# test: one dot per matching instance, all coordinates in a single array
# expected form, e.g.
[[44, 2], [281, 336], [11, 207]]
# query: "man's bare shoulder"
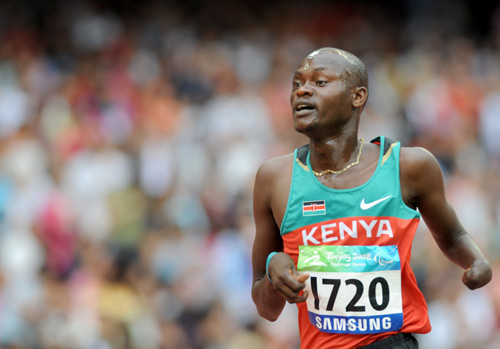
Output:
[[420, 174], [417, 160], [276, 167], [272, 180]]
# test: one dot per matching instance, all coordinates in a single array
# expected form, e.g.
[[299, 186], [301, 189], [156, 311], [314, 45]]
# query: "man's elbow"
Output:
[[266, 314], [267, 310]]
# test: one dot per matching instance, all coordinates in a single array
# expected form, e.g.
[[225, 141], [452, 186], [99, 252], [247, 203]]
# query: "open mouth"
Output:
[[302, 107]]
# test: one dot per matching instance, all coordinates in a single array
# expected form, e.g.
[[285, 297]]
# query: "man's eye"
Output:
[[297, 84], [321, 82]]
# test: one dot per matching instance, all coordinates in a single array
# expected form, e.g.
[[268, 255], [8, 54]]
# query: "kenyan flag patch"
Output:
[[313, 208]]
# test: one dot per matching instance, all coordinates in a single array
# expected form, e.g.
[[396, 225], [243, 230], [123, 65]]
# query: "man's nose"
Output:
[[304, 90]]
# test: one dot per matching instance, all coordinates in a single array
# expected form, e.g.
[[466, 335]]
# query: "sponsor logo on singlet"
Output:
[[367, 205]]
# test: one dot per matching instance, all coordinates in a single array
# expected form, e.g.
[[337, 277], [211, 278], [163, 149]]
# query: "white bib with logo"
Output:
[[353, 289]]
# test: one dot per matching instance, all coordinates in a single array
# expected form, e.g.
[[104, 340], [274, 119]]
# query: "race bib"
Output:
[[353, 289]]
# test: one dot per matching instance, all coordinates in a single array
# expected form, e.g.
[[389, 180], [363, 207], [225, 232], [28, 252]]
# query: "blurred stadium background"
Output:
[[130, 133]]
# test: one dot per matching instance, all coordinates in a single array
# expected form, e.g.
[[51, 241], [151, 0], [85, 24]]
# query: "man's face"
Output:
[[320, 97]]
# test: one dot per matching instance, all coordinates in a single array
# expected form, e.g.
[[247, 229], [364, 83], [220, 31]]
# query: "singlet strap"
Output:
[[387, 144], [302, 154]]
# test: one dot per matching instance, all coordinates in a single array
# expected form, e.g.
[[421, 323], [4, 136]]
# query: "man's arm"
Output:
[[270, 297], [422, 183]]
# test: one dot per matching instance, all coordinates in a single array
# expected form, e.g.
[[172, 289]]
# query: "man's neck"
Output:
[[334, 153]]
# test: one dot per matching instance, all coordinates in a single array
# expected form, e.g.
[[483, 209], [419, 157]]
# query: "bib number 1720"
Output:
[[378, 293]]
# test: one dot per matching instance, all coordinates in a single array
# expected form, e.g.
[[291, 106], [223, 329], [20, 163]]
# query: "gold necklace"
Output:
[[319, 174]]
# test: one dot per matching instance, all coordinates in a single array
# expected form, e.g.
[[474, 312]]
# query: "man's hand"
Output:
[[286, 279], [478, 275]]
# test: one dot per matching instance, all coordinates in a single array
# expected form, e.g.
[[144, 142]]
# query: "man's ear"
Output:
[[359, 96]]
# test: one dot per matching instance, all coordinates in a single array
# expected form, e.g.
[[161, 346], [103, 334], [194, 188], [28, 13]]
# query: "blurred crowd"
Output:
[[130, 134]]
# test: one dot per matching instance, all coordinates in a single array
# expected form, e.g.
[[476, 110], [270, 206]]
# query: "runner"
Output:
[[336, 218]]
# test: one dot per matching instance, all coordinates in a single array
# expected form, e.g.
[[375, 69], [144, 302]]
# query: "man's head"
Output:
[[355, 70], [330, 89]]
